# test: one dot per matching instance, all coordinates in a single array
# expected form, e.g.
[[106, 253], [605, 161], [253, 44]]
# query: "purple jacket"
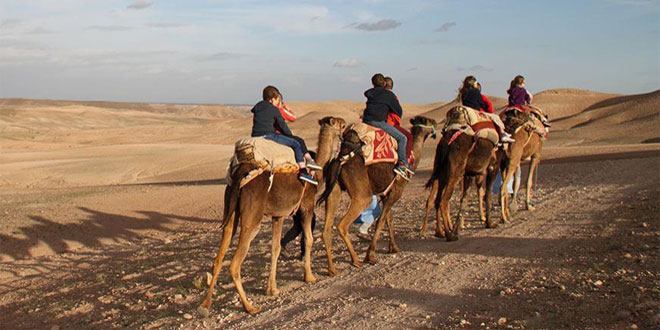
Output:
[[518, 96]]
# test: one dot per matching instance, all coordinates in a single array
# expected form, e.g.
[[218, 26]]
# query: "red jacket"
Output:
[[488, 102], [287, 114]]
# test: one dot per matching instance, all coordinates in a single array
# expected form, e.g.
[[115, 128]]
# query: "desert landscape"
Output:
[[111, 218]]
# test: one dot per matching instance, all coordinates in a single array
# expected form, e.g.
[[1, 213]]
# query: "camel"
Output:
[[527, 130], [362, 182], [459, 156], [247, 206]]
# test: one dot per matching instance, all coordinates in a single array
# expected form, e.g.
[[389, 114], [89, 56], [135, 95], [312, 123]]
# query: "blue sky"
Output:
[[224, 51]]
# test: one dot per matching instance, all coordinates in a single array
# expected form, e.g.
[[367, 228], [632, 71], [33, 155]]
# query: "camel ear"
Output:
[[320, 122]]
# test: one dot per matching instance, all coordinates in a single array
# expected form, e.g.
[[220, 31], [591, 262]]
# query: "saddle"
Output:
[[529, 118], [471, 122], [380, 147], [264, 154]]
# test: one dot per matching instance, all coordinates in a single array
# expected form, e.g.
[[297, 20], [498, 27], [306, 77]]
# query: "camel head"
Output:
[[423, 126], [333, 123]]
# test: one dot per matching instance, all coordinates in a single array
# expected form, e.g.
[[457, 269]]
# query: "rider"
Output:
[[267, 118], [381, 102], [521, 99], [290, 116], [470, 96]]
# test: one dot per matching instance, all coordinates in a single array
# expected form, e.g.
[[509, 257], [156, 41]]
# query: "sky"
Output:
[[227, 51]]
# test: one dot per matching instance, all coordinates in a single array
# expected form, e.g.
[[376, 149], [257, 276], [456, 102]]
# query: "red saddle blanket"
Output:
[[379, 146]]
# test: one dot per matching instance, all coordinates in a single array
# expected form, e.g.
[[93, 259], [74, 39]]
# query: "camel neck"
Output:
[[417, 147], [324, 150]]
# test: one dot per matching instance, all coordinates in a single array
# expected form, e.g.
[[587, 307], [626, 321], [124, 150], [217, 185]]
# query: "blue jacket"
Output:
[[266, 119]]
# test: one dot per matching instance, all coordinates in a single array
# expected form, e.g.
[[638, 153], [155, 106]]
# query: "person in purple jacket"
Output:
[[520, 98]]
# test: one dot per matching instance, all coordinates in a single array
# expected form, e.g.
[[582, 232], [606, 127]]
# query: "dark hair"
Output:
[[271, 92], [378, 80], [517, 81], [389, 83], [468, 83]]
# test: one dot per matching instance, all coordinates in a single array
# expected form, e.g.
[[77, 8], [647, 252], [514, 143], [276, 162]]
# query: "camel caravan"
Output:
[[273, 174]]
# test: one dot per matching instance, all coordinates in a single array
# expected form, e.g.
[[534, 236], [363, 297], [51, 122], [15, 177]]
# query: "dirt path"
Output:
[[587, 258]]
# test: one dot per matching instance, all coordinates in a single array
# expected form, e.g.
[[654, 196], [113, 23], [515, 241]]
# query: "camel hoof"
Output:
[[332, 271], [371, 260], [357, 264], [439, 234], [394, 249], [452, 238], [491, 224], [274, 292], [531, 207], [311, 279], [203, 311], [252, 310]]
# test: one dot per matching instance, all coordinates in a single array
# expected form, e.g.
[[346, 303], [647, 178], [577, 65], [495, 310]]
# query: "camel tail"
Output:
[[232, 194], [331, 174], [441, 156]]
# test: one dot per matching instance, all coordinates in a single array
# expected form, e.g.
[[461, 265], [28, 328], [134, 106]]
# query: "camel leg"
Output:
[[467, 181], [481, 193], [393, 248], [331, 205], [358, 204], [443, 211], [487, 191], [430, 202], [308, 217], [275, 253], [530, 179], [509, 171], [251, 214], [227, 234], [371, 255]]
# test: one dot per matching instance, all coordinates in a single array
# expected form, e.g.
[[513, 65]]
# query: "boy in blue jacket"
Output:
[[267, 121]]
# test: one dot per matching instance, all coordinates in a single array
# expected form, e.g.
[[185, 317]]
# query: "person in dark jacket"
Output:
[[470, 96], [381, 102], [267, 121]]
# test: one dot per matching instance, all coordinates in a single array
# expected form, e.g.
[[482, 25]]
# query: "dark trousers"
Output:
[[295, 231]]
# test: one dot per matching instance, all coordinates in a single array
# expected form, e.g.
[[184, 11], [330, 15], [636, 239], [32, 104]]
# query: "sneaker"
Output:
[[409, 171], [307, 178], [401, 171], [313, 166], [506, 138]]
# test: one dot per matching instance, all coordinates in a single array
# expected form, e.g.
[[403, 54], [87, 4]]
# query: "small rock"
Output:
[[645, 225], [627, 256], [562, 287], [187, 316], [55, 327], [501, 321], [427, 317], [149, 295], [465, 322], [633, 326], [403, 305], [598, 283]]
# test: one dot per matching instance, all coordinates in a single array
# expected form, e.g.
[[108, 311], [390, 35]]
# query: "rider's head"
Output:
[[272, 94], [378, 80], [518, 81], [389, 83]]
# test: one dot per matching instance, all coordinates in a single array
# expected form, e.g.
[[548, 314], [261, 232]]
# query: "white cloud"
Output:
[[347, 63]]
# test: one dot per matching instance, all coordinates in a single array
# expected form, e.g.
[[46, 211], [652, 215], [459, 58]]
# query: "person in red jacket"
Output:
[[489, 104], [290, 116]]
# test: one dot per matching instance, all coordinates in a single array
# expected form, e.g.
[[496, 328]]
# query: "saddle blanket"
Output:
[[472, 122], [380, 147]]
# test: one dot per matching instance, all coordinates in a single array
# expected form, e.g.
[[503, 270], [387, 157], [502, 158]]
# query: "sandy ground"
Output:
[[109, 218]]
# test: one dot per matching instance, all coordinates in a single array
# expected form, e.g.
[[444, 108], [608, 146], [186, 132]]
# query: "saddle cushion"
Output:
[[380, 147], [267, 155], [472, 122]]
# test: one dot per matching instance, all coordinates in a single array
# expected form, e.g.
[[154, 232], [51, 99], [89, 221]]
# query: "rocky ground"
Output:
[[586, 258]]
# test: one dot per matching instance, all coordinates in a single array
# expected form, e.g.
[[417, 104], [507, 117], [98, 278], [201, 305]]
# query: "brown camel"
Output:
[[458, 156], [527, 130], [362, 182], [247, 206]]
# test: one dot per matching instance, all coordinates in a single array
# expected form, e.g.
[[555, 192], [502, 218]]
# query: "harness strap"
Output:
[[454, 137], [389, 188], [302, 194]]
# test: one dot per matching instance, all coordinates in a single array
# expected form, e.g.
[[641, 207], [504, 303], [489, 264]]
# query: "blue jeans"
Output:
[[289, 142], [370, 214], [400, 138], [509, 186]]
